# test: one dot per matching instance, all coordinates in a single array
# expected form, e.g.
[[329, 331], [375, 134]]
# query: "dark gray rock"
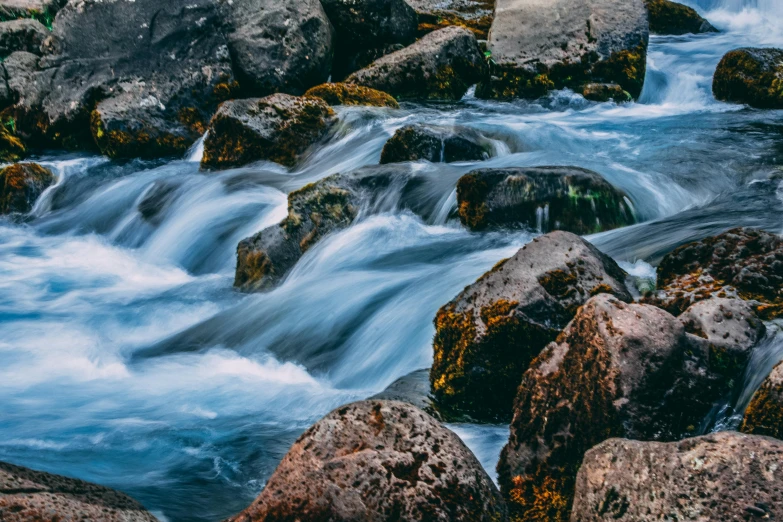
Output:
[[378, 461], [721, 476], [668, 17], [751, 76], [414, 389], [22, 35], [43, 11], [435, 144]]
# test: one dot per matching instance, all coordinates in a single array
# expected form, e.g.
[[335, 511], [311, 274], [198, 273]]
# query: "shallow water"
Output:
[[127, 359]]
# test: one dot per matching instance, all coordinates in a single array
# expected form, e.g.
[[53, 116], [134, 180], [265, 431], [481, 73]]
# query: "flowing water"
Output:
[[127, 359]]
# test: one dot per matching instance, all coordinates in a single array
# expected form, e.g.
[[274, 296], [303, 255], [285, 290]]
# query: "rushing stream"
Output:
[[127, 359]]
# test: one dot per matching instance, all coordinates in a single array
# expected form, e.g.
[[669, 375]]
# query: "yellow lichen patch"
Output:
[[350, 94], [764, 415], [542, 502], [471, 193], [252, 267]]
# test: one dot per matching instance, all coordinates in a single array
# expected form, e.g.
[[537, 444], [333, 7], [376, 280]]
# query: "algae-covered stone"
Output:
[[764, 415], [475, 15], [277, 128], [486, 337], [720, 476], [604, 92], [750, 75], [742, 263], [550, 198], [20, 186], [436, 144], [668, 17], [22, 35], [536, 46], [441, 65], [350, 94], [11, 147], [381, 461]]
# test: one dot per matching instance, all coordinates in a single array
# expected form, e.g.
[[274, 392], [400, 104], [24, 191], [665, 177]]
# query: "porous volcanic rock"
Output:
[[668, 17], [378, 461], [21, 184], [475, 15], [436, 144], [764, 415], [750, 75], [350, 94], [486, 337], [22, 35]]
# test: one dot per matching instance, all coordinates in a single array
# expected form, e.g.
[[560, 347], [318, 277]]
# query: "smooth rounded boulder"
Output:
[[27, 495], [436, 144], [21, 184], [378, 461], [277, 128], [752, 76], [764, 414], [547, 198], [537, 46], [720, 476], [349, 94], [486, 337], [667, 17], [440, 66]]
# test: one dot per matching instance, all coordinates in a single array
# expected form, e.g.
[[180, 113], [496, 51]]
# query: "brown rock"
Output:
[[764, 415], [20, 186], [349, 94], [750, 75]]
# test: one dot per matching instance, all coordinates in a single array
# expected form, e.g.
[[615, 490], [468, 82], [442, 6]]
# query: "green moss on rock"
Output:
[[20, 186], [349, 94], [752, 76], [764, 415]]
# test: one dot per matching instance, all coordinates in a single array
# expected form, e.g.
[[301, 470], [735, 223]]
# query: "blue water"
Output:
[[127, 359]]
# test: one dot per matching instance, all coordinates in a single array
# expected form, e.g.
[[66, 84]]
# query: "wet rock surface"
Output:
[[604, 92], [721, 476], [486, 336], [277, 128], [475, 15], [764, 415], [414, 389], [752, 76], [668, 17], [441, 65], [435, 144], [21, 184], [349, 94], [538, 46], [550, 198], [22, 35], [378, 461], [27, 495]]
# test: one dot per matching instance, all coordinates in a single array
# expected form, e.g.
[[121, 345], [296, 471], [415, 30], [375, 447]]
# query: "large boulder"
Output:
[[279, 45], [549, 198], [486, 337], [721, 476], [536, 46], [437, 144], [277, 128], [752, 76], [350, 94], [27, 495], [668, 17], [764, 415], [441, 65], [475, 15], [617, 370], [378, 461], [742, 262], [21, 184], [22, 35]]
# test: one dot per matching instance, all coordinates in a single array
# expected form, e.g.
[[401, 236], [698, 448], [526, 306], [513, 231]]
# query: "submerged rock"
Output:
[[475, 15], [349, 94], [721, 476], [27, 495], [435, 144], [742, 263], [764, 415], [21, 184], [22, 35], [752, 76], [538, 46], [550, 198], [441, 65], [379, 461], [486, 337], [668, 17], [277, 128], [604, 92]]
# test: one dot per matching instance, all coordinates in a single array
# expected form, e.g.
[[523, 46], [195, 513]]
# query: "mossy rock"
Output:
[[435, 144], [752, 76], [764, 415], [551, 198], [21, 184], [604, 92], [11, 146], [668, 17], [349, 94]]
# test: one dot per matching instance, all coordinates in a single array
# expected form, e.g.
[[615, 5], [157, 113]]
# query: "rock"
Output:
[[43, 11], [668, 17], [27, 495], [475, 15], [721, 476], [19, 70], [435, 144], [604, 92], [752, 76], [378, 461], [349, 94], [486, 337], [548, 198], [441, 65], [157, 199], [537, 46], [279, 45], [11, 147], [22, 35], [764, 415], [20, 186], [742, 263], [414, 389], [617, 370], [368, 25], [277, 128]]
